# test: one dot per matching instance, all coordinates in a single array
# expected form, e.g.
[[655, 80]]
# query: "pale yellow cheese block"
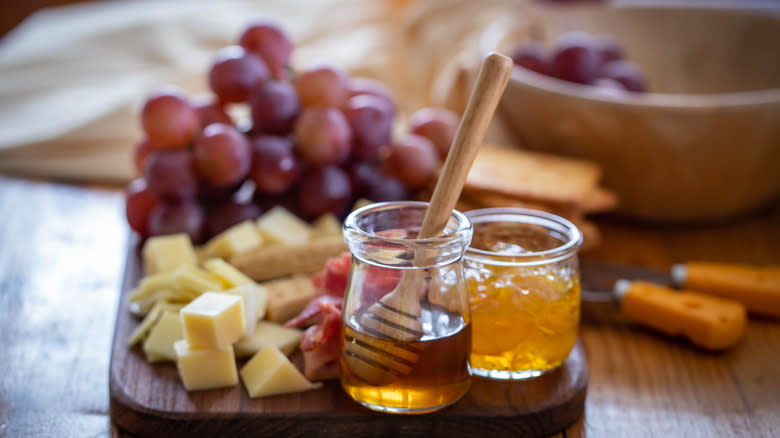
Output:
[[194, 281], [205, 369], [159, 345], [247, 293], [268, 333], [269, 372], [326, 225], [213, 320], [280, 227], [240, 237], [151, 319], [163, 253], [226, 272]]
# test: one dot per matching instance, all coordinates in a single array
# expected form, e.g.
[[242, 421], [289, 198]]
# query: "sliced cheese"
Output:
[[159, 345], [205, 369], [269, 372], [195, 281], [248, 293], [238, 238], [268, 333], [213, 320], [280, 227], [226, 272], [151, 319], [164, 253]]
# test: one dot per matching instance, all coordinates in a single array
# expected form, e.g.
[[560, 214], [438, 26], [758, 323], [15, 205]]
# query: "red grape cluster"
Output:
[[584, 59], [317, 142]]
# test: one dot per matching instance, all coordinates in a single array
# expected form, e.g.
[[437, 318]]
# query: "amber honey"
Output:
[[522, 277], [421, 376]]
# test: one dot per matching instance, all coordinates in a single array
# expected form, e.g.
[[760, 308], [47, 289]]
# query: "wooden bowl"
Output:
[[704, 144]]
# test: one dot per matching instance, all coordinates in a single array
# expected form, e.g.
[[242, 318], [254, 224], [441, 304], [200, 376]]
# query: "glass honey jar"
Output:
[[406, 321]]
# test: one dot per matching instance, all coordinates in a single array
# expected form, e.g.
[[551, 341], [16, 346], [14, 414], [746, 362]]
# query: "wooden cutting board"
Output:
[[148, 400]]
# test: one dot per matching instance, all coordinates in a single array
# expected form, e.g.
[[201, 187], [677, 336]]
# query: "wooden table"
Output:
[[62, 250]]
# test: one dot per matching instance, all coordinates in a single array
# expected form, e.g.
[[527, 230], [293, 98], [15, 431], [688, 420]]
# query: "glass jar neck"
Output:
[[384, 234]]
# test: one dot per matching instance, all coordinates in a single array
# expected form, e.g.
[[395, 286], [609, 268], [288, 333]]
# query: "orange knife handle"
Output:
[[757, 287], [710, 322]]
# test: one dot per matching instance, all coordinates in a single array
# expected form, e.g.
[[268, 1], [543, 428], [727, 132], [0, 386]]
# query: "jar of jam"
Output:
[[522, 276]]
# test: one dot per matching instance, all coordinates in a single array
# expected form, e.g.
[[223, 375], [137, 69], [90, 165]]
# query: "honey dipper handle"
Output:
[[492, 79]]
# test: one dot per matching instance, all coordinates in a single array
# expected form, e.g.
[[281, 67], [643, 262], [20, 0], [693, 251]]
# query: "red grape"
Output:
[[324, 190], [626, 74], [141, 151], [274, 166], [229, 213], [212, 111], [384, 188], [609, 49], [371, 124], [438, 125], [177, 217], [268, 41], [169, 119], [209, 194], [222, 155], [322, 86], [288, 200], [576, 58], [534, 57], [322, 136], [371, 87], [235, 72], [139, 202], [412, 160], [170, 174], [274, 107], [361, 174]]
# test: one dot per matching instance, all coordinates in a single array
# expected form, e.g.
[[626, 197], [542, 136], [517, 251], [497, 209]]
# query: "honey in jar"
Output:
[[522, 276], [406, 320]]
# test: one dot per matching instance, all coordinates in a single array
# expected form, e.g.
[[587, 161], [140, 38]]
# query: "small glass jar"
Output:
[[405, 322], [522, 274]]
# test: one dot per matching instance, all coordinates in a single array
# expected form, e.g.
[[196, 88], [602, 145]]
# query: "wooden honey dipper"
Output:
[[396, 316]]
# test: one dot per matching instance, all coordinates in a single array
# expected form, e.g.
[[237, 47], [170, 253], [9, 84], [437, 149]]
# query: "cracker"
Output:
[[264, 263], [532, 176]]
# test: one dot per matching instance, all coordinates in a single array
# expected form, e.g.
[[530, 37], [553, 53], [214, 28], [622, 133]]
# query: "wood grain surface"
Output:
[[149, 400], [62, 255]]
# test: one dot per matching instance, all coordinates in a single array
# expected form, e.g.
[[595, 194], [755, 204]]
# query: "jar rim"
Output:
[[351, 224], [529, 216]]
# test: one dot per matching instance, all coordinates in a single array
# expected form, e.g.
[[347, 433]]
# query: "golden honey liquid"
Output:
[[438, 378], [525, 318]]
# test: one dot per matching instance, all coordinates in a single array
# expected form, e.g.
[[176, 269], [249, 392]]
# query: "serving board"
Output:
[[148, 400]]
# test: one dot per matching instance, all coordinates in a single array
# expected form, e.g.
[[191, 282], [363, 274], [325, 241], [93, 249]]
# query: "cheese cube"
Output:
[[238, 238], [163, 253], [269, 372], [326, 225], [151, 319], [280, 227], [213, 320], [226, 272], [205, 369], [268, 333], [159, 345], [248, 293], [195, 281]]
